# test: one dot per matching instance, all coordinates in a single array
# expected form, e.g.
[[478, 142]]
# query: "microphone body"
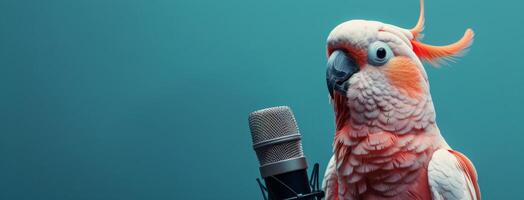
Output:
[[296, 180], [276, 141]]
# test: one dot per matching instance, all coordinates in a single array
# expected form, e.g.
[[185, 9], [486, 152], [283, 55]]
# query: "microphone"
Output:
[[283, 166]]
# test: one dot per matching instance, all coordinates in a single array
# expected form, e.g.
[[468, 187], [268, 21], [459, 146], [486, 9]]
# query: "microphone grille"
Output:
[[275, 135]]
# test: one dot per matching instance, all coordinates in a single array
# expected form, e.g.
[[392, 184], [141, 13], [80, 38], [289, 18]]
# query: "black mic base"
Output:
[[290, 186]]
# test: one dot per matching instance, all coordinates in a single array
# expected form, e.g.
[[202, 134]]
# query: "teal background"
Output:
[[127, 99]]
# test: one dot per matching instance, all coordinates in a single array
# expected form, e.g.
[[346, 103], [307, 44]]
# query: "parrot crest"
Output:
[[386, 132]]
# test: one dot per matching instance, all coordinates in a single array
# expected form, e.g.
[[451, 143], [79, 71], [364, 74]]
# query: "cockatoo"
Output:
[[387, 144]]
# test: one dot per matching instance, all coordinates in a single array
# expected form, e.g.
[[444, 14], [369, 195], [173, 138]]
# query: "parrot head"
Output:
[[373, 66]]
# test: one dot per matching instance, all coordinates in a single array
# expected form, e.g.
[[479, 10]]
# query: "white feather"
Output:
[[446, 178]]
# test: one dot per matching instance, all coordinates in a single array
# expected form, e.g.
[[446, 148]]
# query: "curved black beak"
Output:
[[340, 68]]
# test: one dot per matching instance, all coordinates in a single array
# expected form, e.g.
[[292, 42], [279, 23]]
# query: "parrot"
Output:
[[387, 144]]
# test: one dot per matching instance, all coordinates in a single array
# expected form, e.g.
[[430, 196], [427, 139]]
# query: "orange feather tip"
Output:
[[439, 54], [417, 30]]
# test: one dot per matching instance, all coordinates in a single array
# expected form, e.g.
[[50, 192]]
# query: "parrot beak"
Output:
[[340, 68]]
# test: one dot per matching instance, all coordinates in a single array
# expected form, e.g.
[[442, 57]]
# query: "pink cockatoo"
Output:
[[387, 144]]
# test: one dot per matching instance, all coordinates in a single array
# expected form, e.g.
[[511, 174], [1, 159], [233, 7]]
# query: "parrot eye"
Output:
[[379, 53]]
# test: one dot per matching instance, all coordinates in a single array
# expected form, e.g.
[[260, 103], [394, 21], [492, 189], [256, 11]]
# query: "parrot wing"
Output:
[[451, 175], [335, 187], [330, 183]]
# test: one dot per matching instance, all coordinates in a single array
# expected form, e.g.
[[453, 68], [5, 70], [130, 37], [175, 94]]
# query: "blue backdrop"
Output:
[[128, 99]]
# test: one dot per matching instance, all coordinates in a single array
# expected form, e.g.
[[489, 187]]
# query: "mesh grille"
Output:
[[271, 123], [279, 152]]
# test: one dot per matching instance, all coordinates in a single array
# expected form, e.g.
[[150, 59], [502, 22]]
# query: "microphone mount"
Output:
[[315, 194]]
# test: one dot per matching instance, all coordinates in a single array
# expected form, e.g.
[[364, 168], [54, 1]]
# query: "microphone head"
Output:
[[276, 141]]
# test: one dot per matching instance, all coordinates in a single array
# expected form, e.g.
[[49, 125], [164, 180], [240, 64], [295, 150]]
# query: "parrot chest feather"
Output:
[[384, 141], [385, 166]]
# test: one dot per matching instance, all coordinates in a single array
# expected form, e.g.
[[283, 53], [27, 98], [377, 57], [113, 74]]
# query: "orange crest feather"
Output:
[[434, 54]]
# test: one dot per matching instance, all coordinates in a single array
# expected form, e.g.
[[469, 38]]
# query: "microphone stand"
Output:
[[315, 194]]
